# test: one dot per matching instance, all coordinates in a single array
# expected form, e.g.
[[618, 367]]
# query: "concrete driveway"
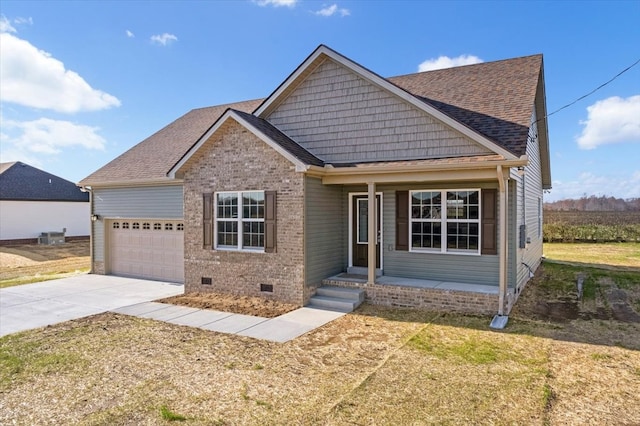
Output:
[[36, 305]]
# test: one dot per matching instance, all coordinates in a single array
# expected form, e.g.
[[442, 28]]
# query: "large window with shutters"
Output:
[[445, 221], [240, 220]]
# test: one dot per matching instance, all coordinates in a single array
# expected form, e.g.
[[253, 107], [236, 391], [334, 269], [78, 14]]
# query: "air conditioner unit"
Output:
[[51, 238]]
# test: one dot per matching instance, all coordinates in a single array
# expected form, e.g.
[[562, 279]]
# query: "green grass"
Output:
[[170, 415], [612, 254]]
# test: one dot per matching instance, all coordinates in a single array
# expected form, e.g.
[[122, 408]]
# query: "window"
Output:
[[146, 225], [240, 220], [168, 226], [135, 225], [125, 225], [180, 227], [116, 225], [445, 221], [157, 226]]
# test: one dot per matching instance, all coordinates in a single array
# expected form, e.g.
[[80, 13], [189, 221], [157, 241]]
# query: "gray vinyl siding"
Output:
[[341, 117], [532, 254], [471, 269], [153, 202], [325, 235]]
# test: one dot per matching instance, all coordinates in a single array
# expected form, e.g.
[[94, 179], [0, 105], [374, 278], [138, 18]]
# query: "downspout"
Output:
[[500, 320]]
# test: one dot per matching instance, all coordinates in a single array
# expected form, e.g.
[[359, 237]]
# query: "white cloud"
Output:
[[5, 25], [611, 120], [47, 136], [276, 3], [332, 10], [625, 186], [33, 78], [447, 62], [20, 20], [130, 34], [163, 39]]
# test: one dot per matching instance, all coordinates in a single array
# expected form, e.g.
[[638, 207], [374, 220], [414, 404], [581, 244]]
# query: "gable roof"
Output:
[[151, 159], [22, 182], [323, 52], [261, 129], [495, 99], [491, 103]]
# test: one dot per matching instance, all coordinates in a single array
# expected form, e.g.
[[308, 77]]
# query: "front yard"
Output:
[[375, 366]]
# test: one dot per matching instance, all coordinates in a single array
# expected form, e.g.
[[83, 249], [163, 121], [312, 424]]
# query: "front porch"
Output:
[[432, 295]]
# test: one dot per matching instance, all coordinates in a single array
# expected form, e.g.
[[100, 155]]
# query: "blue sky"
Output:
[[82, 82]]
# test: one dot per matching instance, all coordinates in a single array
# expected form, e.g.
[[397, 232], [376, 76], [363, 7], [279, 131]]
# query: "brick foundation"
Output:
[[424, 298]]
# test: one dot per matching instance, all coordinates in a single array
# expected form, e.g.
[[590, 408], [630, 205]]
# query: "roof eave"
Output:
[[177, 170]]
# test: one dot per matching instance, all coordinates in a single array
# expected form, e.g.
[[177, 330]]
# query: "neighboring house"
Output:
[[33, 201], [272, 197]]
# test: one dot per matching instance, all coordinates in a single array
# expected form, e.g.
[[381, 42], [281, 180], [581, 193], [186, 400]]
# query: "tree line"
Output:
[[595, 203]]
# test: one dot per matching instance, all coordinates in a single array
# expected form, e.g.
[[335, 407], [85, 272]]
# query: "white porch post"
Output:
[[503, 240], [372, 231]]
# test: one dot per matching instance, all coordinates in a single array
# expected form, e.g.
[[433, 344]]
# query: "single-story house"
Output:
[[423, 190], [33, 201]]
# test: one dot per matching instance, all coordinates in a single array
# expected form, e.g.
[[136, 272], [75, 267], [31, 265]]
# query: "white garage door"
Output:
[[152, 249]]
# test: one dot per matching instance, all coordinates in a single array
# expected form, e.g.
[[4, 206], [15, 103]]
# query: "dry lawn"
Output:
[[27, 263], [376, 366], [372, 367]]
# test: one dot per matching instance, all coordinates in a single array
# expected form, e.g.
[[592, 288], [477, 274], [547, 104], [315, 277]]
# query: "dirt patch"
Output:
[[33, 259], [237, 304], [554, 296]]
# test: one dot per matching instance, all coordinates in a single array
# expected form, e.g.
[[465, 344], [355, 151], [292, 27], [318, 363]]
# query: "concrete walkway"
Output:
[[280, 329], [37, 305]]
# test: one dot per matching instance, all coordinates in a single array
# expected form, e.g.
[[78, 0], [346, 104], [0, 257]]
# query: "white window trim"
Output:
[[239, 220], [443, 221]]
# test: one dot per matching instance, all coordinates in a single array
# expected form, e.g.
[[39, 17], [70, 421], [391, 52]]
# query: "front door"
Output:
[[360, 226]]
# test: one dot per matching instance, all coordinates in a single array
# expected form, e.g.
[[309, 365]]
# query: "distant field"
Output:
[[571, 226]]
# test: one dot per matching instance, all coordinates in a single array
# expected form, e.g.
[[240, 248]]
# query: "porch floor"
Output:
[[417, 283]]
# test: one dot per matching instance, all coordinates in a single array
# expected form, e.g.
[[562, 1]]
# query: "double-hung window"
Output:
[[240, 220], [445, 221]]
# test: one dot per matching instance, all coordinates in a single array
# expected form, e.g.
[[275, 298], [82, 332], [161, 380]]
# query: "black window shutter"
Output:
[[489, 221], [270, 221], [207, 220], [402, 220]]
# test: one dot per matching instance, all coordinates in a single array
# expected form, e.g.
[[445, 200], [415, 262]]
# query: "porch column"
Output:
[[502, 226], [373, 232]]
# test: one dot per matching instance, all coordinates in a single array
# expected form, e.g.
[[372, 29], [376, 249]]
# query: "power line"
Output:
[[594, 90]]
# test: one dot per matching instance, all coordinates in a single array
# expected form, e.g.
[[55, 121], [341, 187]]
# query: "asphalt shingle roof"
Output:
[[281, 139], [22, 182], [153, 157], [495, 99]]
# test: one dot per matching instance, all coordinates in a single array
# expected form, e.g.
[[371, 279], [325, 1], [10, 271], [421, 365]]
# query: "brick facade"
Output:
[[234, 159]]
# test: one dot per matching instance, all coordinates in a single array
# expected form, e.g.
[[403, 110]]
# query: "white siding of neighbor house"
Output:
[[325, 236], [341, 117], [462, 268], [27, 219], [152, 202], [527, 211]]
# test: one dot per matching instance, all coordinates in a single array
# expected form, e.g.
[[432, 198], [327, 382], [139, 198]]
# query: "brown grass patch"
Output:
[[228, 303], [31, 260]]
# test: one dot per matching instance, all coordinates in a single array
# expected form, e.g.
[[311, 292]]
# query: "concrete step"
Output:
[[341, 293], [332, 303]]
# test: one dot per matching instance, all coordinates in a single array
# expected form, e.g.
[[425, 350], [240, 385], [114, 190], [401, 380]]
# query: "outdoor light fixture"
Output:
[[95, 217], [521, 171]]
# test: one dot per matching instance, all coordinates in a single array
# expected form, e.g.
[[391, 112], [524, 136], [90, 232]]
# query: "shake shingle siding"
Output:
[[340, 117]]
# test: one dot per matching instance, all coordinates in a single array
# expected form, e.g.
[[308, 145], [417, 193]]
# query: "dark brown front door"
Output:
[[360, 226]]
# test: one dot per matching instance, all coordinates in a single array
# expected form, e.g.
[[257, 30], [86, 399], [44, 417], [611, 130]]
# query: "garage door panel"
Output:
[[150, 249]]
